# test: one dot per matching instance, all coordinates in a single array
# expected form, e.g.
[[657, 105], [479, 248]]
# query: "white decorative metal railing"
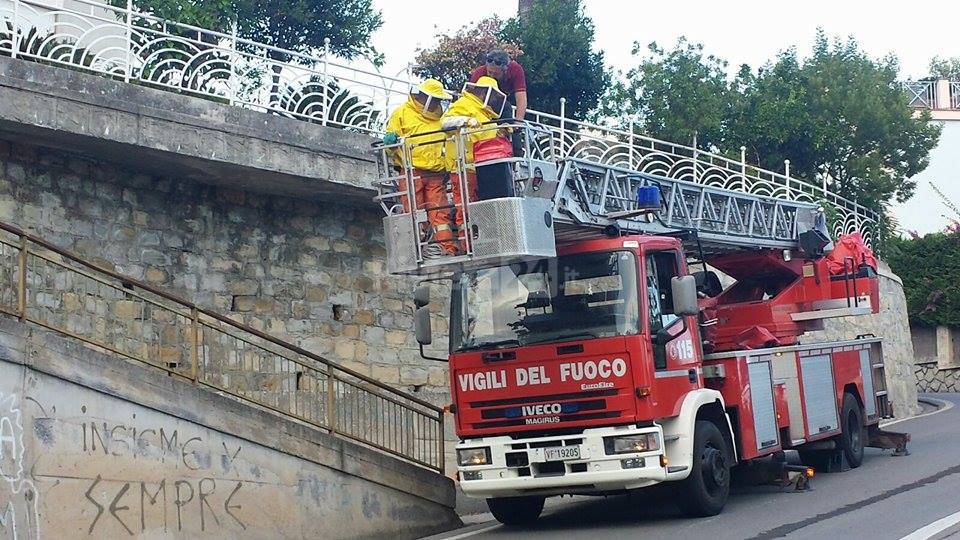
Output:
[[939, 94], [921, 94], [129, 45]]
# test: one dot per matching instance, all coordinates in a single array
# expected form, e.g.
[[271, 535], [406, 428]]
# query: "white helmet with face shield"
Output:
[[488, 92]]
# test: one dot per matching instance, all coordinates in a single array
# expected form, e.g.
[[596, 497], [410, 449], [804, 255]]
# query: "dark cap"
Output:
[[498, 57]]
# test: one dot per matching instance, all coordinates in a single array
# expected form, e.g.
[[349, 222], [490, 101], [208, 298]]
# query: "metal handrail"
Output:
[[337, 380], [316, 87]]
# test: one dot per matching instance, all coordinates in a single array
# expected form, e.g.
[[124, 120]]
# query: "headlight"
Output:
[[473, 456], [629, 444]]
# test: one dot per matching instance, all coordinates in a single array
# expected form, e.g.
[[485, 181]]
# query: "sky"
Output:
[[750, 32]]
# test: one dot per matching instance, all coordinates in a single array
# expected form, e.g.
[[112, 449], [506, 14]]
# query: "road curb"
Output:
[[946, 533], [940, 404]]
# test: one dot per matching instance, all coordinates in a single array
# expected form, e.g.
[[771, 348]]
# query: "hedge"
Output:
[[930, 269]]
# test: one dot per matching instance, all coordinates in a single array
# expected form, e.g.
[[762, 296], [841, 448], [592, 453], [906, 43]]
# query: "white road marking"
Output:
[[944, 406], [934, 528]]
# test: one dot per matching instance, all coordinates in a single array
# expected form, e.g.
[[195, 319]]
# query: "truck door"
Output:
[[674, 360]]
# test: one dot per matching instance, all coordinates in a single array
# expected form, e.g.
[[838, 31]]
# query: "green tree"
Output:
[[851, 124], [217, 15], [674, 94], [298, 25], [557, 39], [456, 54], [838, 114], [770, 116], [303, 25], [945, 68]]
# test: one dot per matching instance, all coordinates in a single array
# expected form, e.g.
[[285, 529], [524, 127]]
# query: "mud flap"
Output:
[[878, 438]]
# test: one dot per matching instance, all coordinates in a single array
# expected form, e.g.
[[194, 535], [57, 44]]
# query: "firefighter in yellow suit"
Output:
[[479, 103], [420, 115]]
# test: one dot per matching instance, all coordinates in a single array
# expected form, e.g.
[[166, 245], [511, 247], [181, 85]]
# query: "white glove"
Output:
[[454, 122]]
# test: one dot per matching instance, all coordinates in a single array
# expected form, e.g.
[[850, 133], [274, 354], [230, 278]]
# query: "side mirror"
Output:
[[421, 296], [424, 330], [684, 290], [662, 337]]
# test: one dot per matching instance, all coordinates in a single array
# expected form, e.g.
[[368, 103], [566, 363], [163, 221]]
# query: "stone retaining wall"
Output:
[[310, 272], [931, 378]]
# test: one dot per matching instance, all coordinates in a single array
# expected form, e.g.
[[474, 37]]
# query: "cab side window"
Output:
[[661, 267]]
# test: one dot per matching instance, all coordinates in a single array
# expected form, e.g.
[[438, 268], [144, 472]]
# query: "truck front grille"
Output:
[[543, 399], [562, 417]]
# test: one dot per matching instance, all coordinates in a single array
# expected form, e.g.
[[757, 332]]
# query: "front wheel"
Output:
[[513, 511], [705, 491]]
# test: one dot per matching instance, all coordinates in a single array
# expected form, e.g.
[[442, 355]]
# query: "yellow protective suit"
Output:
[[468, 105], [410, 120], [467, 111]]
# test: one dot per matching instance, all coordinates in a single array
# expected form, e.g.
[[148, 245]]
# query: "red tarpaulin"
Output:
[[852, 246]]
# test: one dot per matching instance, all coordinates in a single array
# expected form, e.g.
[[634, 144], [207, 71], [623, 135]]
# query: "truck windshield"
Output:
[[564, 298]]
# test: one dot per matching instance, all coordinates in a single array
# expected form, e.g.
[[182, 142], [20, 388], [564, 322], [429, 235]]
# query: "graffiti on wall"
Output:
[[19, 517], [172, 503]]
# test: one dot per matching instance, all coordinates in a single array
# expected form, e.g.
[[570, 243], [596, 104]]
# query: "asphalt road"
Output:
[[887, 497]]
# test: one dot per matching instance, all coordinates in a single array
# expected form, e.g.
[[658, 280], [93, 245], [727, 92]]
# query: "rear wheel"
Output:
[[516, 510], [854, 433], [705, 491]]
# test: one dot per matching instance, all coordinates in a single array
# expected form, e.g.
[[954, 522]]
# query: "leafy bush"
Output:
[[930, 269]]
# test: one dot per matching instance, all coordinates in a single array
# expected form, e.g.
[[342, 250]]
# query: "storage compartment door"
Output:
[[764, 409], [819, 400], [869, 393]]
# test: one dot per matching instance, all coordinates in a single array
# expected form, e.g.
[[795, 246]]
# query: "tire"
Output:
[[704, 493], [516, 511], [853, 432]]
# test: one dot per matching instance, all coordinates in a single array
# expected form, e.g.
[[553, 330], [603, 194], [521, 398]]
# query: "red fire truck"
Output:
[[593, 348]]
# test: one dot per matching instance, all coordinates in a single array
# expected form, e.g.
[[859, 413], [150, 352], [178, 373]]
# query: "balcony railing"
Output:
[[921, 94], [934, 95], [132, 46]]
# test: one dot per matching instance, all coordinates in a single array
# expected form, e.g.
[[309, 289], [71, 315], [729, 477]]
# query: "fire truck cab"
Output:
[[606, 390]]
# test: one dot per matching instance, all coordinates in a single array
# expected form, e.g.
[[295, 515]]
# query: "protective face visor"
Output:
[[489, 96], [432, 106]]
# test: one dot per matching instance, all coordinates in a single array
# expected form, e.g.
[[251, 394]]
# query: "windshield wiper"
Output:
[[566, 337], [492, 345]]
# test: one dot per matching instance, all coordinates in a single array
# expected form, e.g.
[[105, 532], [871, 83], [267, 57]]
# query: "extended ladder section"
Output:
[[550, 201], [599, 196]]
